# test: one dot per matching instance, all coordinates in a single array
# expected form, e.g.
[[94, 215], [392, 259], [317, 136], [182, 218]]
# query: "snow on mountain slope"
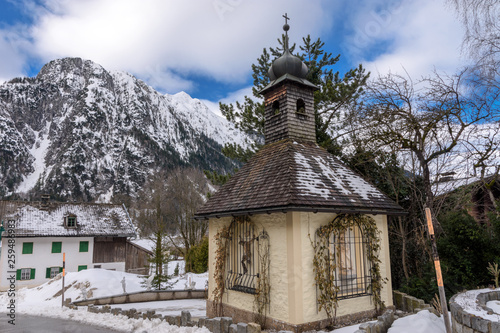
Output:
[[78, 132]]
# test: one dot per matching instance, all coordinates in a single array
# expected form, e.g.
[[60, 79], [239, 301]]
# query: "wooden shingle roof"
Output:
[[32, 219], [292, 176]]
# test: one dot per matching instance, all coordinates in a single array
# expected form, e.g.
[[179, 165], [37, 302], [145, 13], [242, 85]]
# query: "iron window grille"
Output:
[[243, 265], [348, 254]]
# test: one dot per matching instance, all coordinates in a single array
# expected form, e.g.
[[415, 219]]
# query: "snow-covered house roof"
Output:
[[35, 219], [291, 176]]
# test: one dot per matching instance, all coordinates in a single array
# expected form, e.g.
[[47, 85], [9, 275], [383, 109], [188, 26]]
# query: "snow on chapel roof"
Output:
[[292, 176], [33, 219]]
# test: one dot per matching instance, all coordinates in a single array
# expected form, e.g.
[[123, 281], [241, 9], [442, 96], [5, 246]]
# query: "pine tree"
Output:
[[335, 93]]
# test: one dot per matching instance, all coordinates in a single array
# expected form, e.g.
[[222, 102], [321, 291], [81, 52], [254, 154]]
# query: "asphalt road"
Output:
[[35, 324]]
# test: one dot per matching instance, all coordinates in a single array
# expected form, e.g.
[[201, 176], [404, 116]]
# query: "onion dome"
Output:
[[287, 63]]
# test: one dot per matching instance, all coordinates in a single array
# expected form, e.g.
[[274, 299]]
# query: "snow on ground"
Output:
[[467, 301], [197, 307], [421, 322], [494, 305], [45, 300]]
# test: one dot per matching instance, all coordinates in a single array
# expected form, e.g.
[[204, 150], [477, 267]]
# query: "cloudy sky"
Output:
[[206, 47]]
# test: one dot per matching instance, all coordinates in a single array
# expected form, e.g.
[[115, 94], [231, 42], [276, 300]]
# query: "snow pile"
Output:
[[421, 322], [95, 283], [467, 301], [494, 305], [45, 300]]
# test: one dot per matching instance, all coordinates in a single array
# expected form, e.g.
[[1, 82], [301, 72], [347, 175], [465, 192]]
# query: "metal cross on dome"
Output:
[[286, 18]]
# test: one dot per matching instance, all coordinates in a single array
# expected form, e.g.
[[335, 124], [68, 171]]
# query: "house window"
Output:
[[301, 106], [52, 272], [84, 246], [27, 248], [276, 107], [348, 252], [25, 274], [70, 221], [56, 247], [243, 258], [82, 267]]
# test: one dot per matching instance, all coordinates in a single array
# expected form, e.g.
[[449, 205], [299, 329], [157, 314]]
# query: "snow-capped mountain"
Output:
[[81, 132]]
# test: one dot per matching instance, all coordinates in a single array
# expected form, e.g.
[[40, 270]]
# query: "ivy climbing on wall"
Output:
[[325, 266], [262, 286]]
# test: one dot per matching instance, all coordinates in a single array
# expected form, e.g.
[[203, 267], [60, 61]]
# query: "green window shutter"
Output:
[[32, 274], [82, 267], [56, 247], [60, 269], [27, 248], [47, 273], [18, 274], [84, 246]]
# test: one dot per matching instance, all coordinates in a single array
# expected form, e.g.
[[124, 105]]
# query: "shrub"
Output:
[[465, 249], [197, 257]]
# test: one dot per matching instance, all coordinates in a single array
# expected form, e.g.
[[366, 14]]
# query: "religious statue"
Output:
[[124, 285], [190, 284], [149, 281], [247, 252]]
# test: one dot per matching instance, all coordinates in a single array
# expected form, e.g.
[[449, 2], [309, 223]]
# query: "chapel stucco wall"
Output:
[[274, 224], [293, 290], [310, 222]]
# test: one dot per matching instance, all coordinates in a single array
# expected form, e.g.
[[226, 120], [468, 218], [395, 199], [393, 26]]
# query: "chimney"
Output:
[[45, 200]]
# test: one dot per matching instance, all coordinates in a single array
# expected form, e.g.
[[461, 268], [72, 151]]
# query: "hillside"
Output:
[[81, 132]]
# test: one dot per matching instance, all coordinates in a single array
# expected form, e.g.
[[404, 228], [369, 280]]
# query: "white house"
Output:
[[91, 235]]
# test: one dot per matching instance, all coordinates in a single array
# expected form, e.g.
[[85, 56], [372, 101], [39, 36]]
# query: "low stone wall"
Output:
[[382, 324], [403, 303], [145, 296], [410, 304], [464, 322], [214, 325]]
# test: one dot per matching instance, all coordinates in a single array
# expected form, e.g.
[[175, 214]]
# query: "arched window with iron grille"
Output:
[[243, 264], [348, 252]]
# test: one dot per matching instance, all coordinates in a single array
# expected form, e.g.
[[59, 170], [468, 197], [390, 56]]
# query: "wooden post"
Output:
[[64, 273], [437, 265]]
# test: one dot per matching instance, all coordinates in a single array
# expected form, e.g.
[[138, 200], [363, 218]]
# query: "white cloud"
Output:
[[170, 43], [232, 97], [13, 59], [416, 37], [219, 39]]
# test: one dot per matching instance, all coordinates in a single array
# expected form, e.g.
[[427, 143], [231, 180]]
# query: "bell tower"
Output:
[[288, 99]]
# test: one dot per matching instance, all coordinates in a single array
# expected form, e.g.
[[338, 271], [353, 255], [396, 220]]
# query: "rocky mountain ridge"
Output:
[[80, 132]]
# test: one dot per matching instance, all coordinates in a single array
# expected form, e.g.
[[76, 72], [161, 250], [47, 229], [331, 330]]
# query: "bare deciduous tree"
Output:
[[426, 119], [481, 20], [485, 152], [186, 190], [152, 219]]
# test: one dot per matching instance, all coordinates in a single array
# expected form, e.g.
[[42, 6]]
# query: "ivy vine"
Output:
[[325, 265], [262, 287], [221, 252]]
